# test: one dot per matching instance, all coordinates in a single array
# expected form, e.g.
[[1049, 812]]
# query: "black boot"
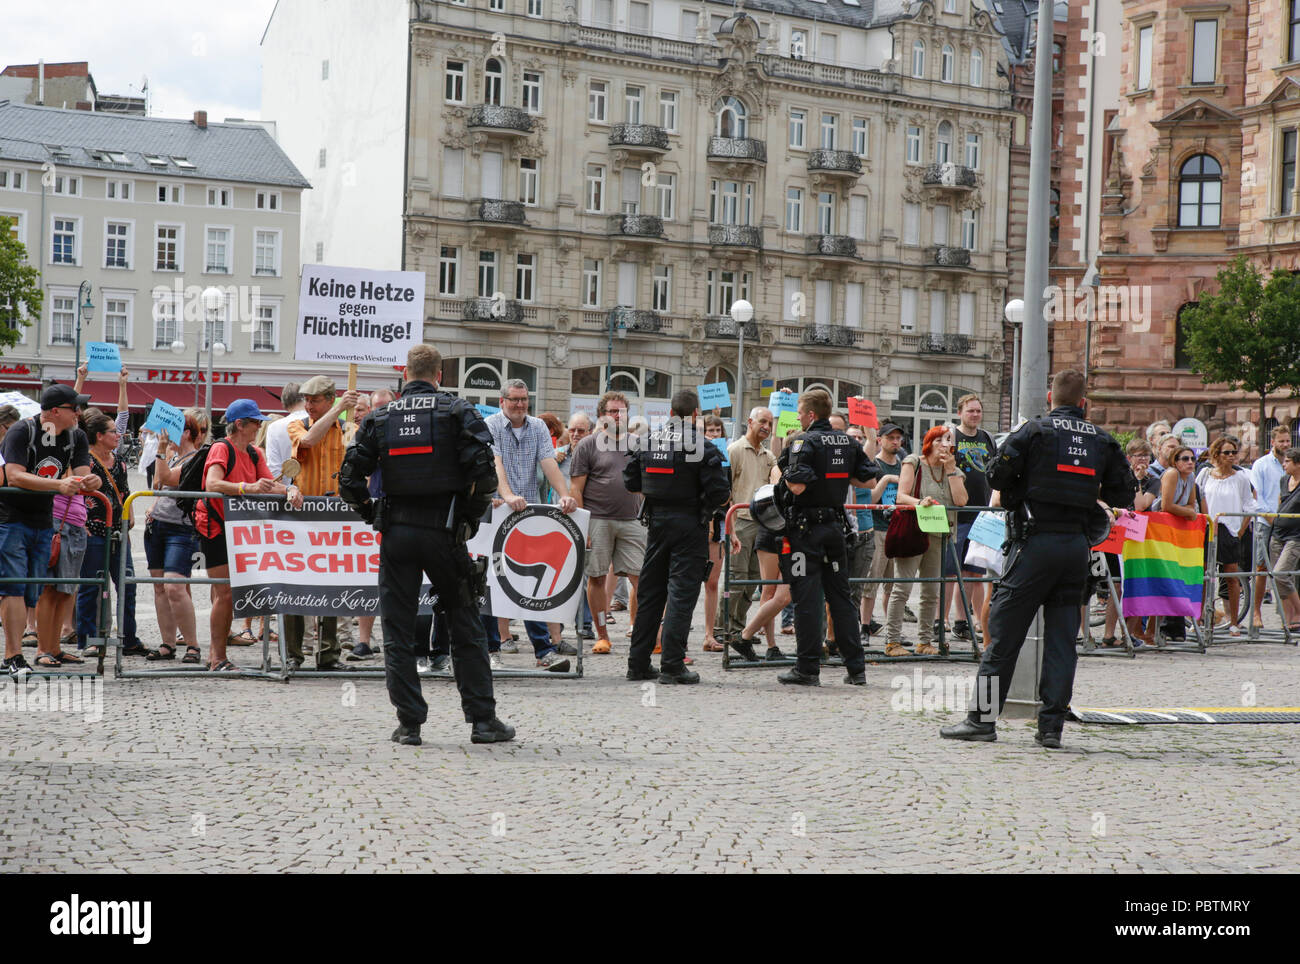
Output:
[[491, 731], [639, 674], [407, 735], [683, 675], [971, 731], [793, 677], [1049, 741]]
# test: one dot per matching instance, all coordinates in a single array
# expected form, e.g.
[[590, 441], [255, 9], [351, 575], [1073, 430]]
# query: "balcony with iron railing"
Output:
[[735, 235], [833, 246], [494, 211], [726, 327], [933, 344], [829, 336], [840, 164], [496, 119], [949, 175], [639, 138], [635, 320], [745, 150], [633, 227], [491, 311], [949, 258]]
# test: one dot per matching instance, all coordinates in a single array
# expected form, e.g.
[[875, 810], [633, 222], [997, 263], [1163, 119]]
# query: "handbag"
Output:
[[56, 541], [904, 537]]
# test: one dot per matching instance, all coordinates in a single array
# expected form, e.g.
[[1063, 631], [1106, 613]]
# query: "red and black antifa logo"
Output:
[[539, 555]]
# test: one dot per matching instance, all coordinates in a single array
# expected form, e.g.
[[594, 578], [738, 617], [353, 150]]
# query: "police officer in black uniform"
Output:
[[817, 468], [1050, 472], [680, 474], [436, 456]]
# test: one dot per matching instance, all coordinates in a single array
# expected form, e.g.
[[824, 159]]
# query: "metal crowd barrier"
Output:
[[1255, 633], [945, 653], [104, 594], [283, 672]]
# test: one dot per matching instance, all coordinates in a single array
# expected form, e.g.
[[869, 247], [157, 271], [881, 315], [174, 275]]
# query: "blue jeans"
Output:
[[584, 622], [25, 552], [92, 567]]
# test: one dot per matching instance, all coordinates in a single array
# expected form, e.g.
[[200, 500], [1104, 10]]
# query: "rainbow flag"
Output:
[[1164, 575]]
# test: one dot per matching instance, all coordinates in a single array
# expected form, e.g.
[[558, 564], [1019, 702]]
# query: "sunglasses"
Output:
[[1186, 458], [1228, 452]]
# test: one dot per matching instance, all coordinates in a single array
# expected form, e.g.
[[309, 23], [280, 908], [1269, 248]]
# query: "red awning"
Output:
[[141, 395]]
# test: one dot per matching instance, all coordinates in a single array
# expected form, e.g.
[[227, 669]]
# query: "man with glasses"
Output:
[[522, 445]]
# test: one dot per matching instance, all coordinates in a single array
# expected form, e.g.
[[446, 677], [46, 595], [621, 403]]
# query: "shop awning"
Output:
[[141, 396]]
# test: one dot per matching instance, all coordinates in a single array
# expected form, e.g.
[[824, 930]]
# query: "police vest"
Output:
[[418, 446], [830, 454], [670, 470], [1066, 464]]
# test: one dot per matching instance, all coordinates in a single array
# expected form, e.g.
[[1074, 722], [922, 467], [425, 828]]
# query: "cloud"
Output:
[[196, 56]]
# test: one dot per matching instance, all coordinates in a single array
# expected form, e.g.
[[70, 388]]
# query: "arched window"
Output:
[[1200, 192], [492, 82], [918, 59], [720, 373], [733, 118], [943, 144], [946, 61], [976, 68]]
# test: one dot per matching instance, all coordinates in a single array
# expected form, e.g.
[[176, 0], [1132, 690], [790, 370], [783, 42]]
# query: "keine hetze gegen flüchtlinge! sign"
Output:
[[359, 316]]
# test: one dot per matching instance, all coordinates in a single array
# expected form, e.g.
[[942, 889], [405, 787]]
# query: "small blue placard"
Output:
[[989, 529], [783, 402], [721, 443], [486, 410], [103, 356], [165, 418], [714, 395]]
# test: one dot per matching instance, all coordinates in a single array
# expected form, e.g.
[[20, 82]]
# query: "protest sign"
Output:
[[988, 529], [721, 444], [786, 423], [537, 561], [863, 412], [359, 316], [103, 356], [486, 410], [783, 402], [18, 400], [1133, 524], [714, 395], [166, 418], [932, 518]]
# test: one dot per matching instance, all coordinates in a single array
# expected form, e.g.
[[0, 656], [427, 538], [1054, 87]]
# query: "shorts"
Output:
[[717, 528], [1229, 550], [860, 559], [214, 552], [955, 550], [24, 554], [72, 549], [171, 548], [616, 542], [767, 540]]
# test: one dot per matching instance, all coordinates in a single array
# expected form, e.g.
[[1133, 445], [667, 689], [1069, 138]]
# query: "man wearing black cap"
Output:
[[47, 455]]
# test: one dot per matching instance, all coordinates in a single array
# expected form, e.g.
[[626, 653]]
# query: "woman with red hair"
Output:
[[931, 478]]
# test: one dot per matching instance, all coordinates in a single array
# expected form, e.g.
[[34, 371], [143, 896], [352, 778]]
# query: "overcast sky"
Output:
[[197, 56]]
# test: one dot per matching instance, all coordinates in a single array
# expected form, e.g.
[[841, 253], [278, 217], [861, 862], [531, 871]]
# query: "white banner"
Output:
[[359, 316], [538, 556]]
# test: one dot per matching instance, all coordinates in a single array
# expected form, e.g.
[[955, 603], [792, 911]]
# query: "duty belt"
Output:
[[819, 514]]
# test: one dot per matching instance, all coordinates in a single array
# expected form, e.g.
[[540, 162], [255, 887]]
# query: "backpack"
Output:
[[193, 474], [35, 430]]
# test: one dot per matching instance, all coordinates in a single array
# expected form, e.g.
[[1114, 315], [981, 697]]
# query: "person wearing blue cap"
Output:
[[234, 467]]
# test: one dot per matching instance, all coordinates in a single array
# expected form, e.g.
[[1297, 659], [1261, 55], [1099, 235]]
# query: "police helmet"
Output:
[[1097, 524], [765, 508]]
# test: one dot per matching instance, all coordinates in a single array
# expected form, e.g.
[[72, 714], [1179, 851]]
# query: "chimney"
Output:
[[82, 105], [201, 119], [40, 81]]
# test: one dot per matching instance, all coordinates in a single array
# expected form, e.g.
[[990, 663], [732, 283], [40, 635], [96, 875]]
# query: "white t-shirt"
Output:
[[278, 446], [1226, 495]]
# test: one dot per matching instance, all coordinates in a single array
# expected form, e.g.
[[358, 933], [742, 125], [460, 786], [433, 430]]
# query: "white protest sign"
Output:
[[359, 316], [18, 400], [536, 561]]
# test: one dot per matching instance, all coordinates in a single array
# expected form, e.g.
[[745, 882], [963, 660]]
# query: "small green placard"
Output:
[[787, 423], [932, 518]]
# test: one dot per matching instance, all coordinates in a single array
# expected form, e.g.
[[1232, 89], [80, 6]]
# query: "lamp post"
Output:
[[86, 310], [213, 298], [621, 328], [741, 313], [1015, 314]]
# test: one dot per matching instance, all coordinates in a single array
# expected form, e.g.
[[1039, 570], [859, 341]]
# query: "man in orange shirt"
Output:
[[318, 445]]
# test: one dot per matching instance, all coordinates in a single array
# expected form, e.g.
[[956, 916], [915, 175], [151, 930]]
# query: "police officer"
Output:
[[1050, 472], [817, 468], [680, 474], [436, 457]]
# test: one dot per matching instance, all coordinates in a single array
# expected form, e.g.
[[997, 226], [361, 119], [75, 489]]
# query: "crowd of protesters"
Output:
[[63, 526]]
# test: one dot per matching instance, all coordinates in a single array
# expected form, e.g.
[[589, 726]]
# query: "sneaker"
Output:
[[961, 629], [422, 666], [360, 652], [509, 646], [295, 664], [566, 649], [744, 649], [407, 735], [908, 615], [586, 633], [874, 628], [494, 661], [774, 653], [491, 731], [17, 667], [440, 664], [552, 663]]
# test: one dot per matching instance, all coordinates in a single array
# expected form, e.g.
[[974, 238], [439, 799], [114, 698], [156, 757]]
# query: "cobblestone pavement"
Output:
[[736, 774]]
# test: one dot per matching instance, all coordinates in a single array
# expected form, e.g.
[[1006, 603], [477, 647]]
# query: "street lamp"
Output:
[[213, 298], [621, 329], [1015, 314], [86, 310], [742, 312]]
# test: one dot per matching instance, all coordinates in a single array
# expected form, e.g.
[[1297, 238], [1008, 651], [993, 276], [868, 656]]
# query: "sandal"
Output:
[[69, 640], [91, 651], [896, 649], [225, 666], [29, 638], [192, 654], [46, 661], [159, 654], [925, 649], [1110, 641], [713, 646], [243, 638], [65, 657]]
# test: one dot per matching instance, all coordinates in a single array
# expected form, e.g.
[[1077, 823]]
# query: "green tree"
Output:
[[1247, 334], [20, 287]]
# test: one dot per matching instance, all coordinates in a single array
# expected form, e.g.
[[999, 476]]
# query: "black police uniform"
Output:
[[681, 476], [1050, 472], [436, 456], [825, 461]]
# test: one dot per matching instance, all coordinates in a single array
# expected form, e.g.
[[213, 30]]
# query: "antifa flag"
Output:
[[537, 561]]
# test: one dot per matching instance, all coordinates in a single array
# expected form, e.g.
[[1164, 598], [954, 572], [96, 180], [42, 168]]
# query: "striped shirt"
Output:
[[521, 453], [320, 462]]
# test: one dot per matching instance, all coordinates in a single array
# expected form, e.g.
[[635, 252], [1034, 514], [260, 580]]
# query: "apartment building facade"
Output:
[[152, 212]]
